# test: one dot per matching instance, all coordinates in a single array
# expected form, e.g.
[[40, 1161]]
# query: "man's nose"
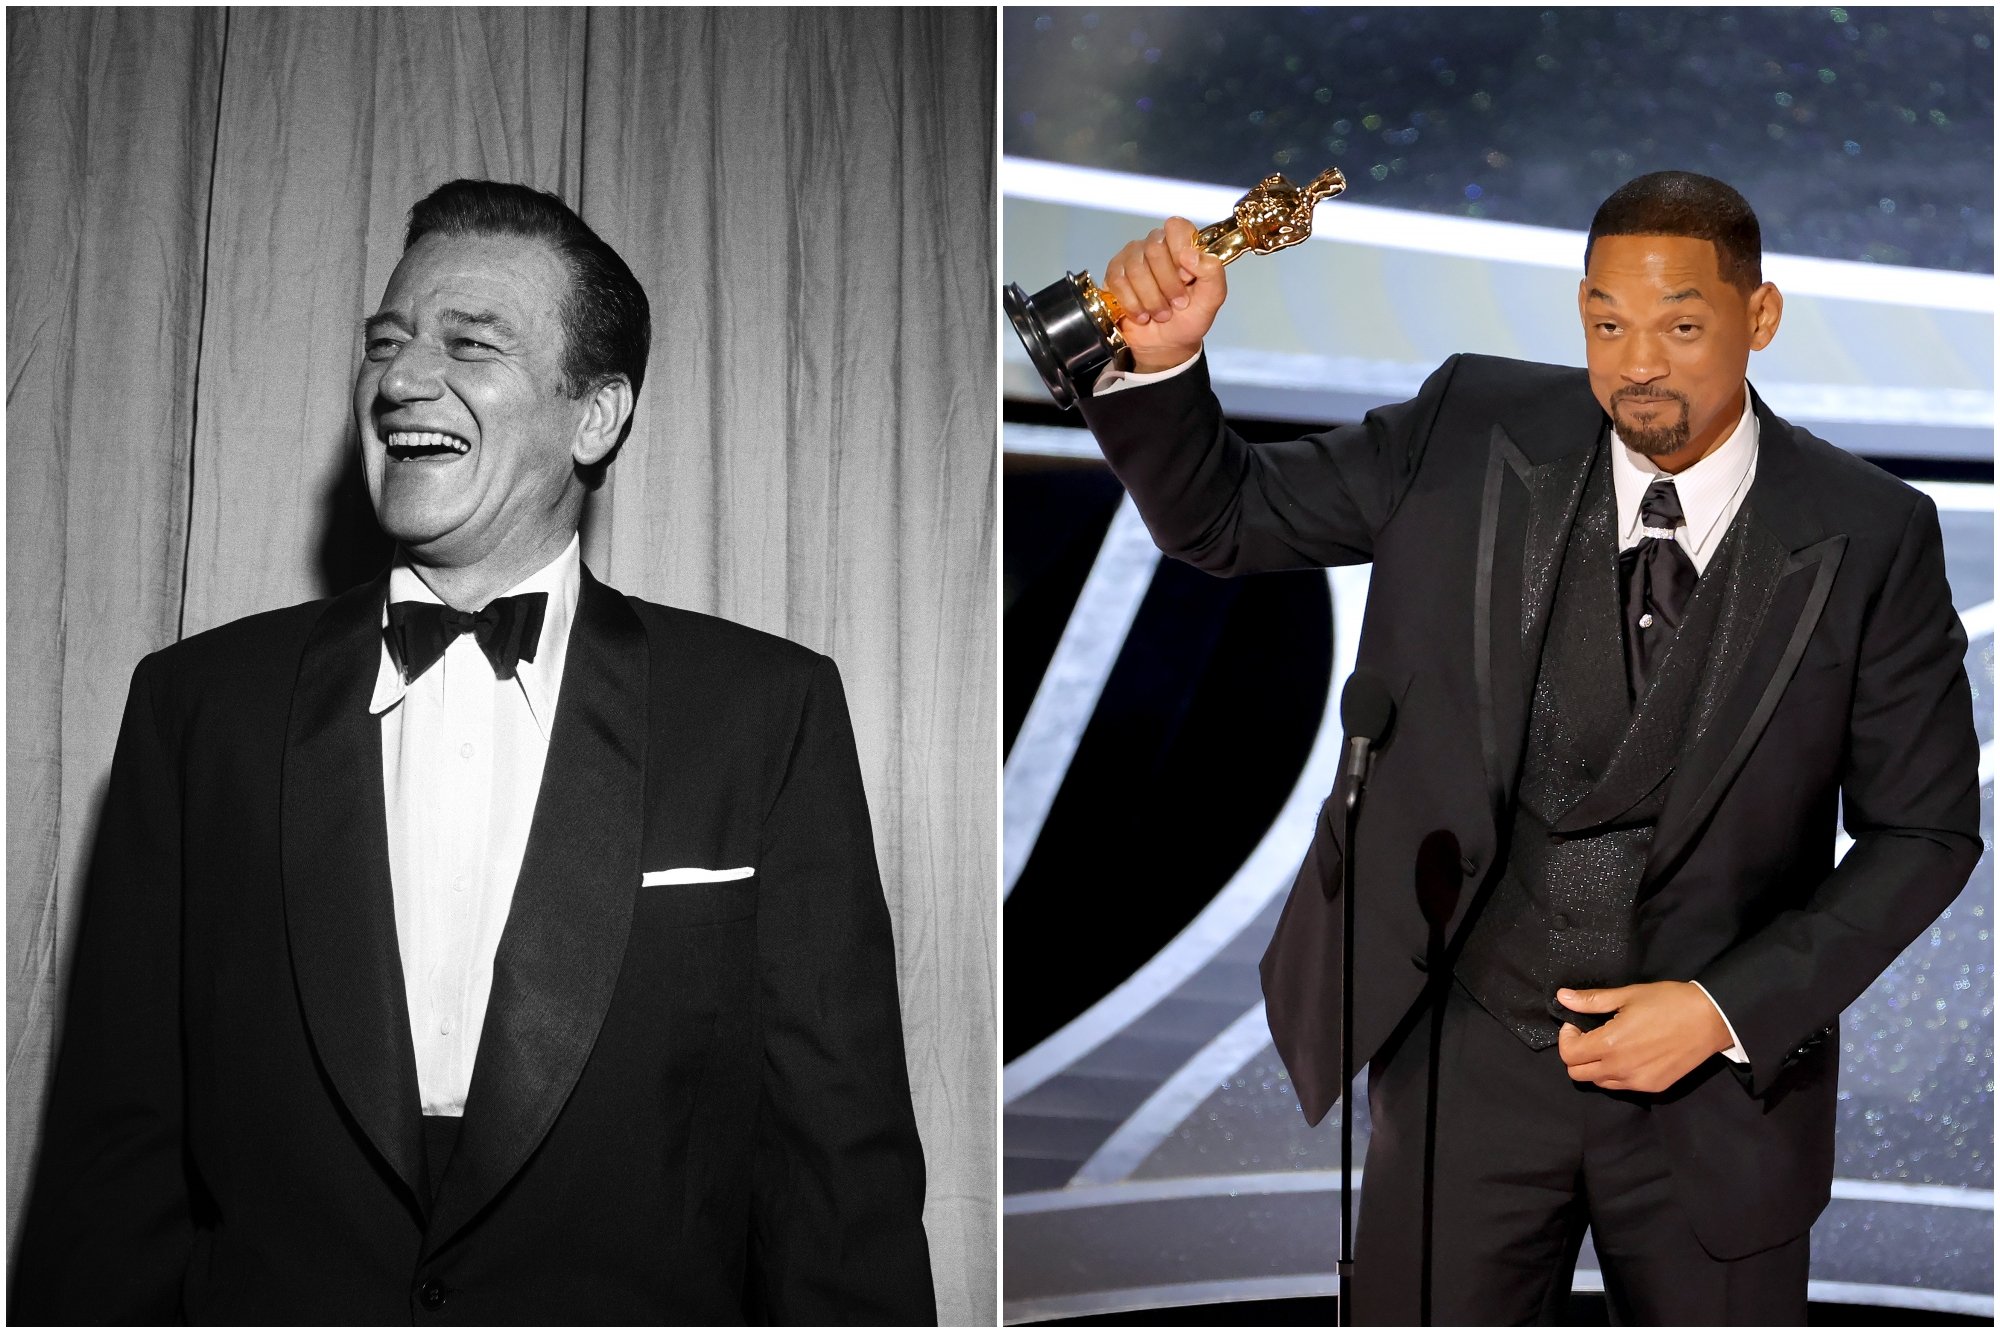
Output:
[[1644, 361], [414, 374]]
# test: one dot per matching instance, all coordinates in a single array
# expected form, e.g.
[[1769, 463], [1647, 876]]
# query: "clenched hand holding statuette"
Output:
[[1070, 328]]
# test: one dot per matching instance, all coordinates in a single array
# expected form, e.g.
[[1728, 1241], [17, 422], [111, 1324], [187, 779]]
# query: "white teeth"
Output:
[[425, 439]]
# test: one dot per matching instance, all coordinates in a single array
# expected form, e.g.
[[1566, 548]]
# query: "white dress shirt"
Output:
[[1710, 492], [462, 757]]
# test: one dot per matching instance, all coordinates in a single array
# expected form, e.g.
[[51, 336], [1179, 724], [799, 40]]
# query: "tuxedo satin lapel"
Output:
[[565, 937], [1526, 511], [340, 908], [1758, 641]]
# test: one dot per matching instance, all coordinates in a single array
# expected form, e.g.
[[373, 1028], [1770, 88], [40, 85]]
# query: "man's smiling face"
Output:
[[466, 435]]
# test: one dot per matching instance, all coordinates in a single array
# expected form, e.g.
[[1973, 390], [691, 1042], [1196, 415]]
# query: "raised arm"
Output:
[[1208, 497]]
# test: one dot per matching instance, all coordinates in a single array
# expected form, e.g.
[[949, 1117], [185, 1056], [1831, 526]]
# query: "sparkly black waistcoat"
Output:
[[1593, 780]]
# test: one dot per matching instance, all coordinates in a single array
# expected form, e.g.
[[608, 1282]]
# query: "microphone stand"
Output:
[[1438, 882], [1357, 754], [1366, 711]]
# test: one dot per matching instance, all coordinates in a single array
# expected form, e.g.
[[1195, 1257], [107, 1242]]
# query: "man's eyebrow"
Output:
[[1687, 294], [480, 319]]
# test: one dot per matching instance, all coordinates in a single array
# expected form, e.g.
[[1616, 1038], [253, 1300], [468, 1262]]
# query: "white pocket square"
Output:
[[693, 875]]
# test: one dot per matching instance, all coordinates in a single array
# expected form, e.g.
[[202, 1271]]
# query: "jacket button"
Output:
[[1468, 864], [1557, 839], [431, 1294], [1559, 921]]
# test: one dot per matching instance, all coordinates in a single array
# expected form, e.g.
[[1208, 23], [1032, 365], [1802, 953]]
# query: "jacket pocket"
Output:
[[702, 904]]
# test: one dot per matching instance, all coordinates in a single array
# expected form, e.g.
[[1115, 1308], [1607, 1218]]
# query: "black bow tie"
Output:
[[507, 628]]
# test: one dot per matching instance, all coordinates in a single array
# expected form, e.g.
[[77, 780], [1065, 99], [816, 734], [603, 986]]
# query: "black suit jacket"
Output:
[[1845, 682], [689, 1103]]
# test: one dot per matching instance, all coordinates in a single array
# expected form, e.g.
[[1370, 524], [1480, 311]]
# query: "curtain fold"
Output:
[[202, 205], [106, 214]]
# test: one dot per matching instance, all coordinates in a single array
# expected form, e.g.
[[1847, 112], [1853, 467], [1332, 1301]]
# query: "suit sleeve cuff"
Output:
[[1113, 378], [1735, 1052]]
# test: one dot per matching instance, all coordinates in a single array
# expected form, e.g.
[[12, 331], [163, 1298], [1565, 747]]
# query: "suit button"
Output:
[[431, 1294], [1557, 839], [1422, 963], [1469, 865], [1559, 921]]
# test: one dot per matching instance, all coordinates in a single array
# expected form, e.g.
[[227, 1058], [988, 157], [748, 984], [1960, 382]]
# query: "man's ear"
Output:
[[1767, 308], [605, 411]]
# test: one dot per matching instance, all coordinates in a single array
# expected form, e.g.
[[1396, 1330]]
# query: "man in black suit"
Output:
[[483, 945], [1643, 637]]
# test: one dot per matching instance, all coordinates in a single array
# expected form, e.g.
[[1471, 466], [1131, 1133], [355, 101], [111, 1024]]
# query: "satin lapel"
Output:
[[340, 909], [1789, 548], [1525, 515], [565, 937]]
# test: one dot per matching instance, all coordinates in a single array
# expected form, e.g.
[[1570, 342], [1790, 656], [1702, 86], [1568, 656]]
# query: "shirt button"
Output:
[[458, 883], [445, 1027], [465, 750]]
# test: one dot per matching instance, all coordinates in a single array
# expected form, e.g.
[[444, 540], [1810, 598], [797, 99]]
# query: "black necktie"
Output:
[[1655, 579], [507, 628]]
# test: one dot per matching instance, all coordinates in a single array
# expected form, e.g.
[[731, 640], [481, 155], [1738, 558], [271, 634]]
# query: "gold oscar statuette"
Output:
[[1070, 327]]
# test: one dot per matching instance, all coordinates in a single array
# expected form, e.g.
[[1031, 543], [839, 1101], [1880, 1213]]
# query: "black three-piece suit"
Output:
[[689, 1102], [1822, 668]]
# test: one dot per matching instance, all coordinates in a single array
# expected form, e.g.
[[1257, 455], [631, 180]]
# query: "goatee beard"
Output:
[[1655, 441]]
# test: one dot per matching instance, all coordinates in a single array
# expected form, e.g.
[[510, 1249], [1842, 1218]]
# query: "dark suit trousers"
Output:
[[1525, 1160]]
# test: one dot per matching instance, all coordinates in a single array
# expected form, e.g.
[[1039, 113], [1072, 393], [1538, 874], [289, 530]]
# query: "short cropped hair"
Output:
[[606, 320], [1681, 203]]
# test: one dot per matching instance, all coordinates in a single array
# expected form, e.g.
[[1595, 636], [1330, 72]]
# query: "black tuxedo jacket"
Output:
[[1845, 683], [689, 1103]]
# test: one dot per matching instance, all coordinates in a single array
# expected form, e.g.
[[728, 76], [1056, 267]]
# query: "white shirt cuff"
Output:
[[1112, 379], [1735, 1051]]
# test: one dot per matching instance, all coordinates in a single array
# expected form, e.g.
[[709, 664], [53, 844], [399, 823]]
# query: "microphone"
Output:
[[1366, 712]]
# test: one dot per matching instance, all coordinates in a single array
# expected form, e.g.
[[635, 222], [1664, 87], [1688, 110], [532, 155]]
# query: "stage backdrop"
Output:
[[202, 204]]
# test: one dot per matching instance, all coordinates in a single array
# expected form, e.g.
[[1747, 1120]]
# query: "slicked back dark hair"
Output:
[[1681, 203], [606, 319]]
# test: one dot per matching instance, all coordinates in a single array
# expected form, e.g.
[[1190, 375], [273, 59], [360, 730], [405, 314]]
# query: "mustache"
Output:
[[1642, 396]]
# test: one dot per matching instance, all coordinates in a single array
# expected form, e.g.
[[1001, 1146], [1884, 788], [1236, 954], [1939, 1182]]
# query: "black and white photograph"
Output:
[[501, 666]]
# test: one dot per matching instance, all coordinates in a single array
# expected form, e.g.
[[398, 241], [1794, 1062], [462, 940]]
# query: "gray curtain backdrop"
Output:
[[201, 205]]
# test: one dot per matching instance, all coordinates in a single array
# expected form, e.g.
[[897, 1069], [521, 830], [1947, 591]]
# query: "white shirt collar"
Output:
[[1706, 489], [541, 679]]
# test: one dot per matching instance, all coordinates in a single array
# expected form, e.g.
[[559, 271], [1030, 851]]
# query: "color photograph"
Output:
[[1498, 635]]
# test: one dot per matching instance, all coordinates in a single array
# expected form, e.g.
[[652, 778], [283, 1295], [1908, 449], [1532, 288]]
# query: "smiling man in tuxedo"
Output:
[[1643, 637], [483, 945]]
